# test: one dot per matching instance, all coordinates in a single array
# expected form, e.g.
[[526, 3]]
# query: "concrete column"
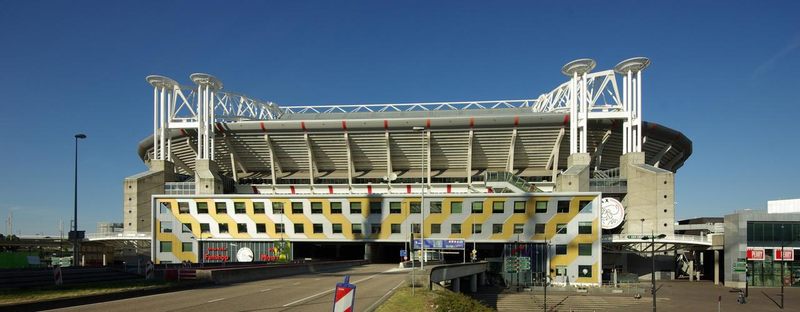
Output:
[[367, 251], [207, 179], [702, 264], [456, 284], [482, 278], [615, 277], [691, 270], [716, 267], [576, 178], [473, 283]]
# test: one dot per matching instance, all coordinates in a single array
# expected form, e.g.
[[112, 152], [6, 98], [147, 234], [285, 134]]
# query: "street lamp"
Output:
[[547, 264], [75, 217], [652, 239], [422, 194]]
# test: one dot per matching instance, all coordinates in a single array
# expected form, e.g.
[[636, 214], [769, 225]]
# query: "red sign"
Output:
[[786, 255], [756, 254]]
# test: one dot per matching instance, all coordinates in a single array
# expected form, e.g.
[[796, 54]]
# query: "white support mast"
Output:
[[163, 88], [207, 86], [578, 102], [631, 71]]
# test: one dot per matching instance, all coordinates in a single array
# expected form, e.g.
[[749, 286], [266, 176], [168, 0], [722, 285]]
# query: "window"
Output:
[[519, 207], [497, 228], [415, 207], [166, 207], [584, 228], [298, 229], [539, 228], [165, 246], [336, 228], [395, 228], [561, 270], [436, 228], [222, 207], [205, 228], [455, 229], [258, 207], [477, 207], [563, 206], [280, 228], [355, 207], [375, 229], [186, 247], [561, 249], [202, 207], [585, 204], [436, 207], [186, 228], [518, 228], [584, 249], [541, 206], [415, 228], [261, 228], [561, 228], [584, 271], [241, 227], [277, 208], [455, 207], [316, 207], [223, 228], [497, 207], [239, 208], [356, 228], [183, 208], [336, 207], [166, 226], [297, 208], [375, 207], [394, 207], [317, 228], [477, 228]]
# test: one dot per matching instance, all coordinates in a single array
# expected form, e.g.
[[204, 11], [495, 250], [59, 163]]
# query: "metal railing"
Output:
[[608, 185], [503, 176]]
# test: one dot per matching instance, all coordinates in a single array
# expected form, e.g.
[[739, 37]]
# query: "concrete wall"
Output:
[[651, 196], [235, 275], [137, 192]]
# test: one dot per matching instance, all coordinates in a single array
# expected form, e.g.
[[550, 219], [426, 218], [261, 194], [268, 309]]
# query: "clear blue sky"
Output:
[[725, 74]]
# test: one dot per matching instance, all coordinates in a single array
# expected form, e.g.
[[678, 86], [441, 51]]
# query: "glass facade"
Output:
[[771, 236]]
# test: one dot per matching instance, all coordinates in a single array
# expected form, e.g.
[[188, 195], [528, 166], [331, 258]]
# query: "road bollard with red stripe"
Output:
[[344, 298], [149, 272], [57, 277]]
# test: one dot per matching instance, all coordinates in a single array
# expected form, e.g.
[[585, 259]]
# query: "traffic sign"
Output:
[[740, 266], [403, 252], [344, 297]]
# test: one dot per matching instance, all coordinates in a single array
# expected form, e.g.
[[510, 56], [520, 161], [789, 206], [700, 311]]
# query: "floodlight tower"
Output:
[[163, 109], [631, 69], [578, 102], [207, 86]]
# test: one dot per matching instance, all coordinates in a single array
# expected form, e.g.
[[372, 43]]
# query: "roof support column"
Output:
[[553, 160], [510, 160], [389, 170], [273, 165], [469, 157], [312, 168], [349, 161]]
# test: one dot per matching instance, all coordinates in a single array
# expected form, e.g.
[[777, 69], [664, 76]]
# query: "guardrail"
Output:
[[670, 238]]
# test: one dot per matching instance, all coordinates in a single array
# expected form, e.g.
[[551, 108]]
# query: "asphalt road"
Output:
[[308, 292]]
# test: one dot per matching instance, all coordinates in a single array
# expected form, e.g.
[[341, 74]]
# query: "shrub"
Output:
[[448, 301]]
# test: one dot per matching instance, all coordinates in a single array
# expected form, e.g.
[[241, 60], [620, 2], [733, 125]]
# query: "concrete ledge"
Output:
[[246, 274]]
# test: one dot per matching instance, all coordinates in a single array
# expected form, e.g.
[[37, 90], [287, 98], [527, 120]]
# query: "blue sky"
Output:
[[723, 73]]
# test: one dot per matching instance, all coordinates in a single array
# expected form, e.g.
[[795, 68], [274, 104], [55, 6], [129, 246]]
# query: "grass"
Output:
[[18, 296], [430, 301]]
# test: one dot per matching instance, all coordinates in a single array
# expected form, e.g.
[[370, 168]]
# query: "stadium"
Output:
[[561, 180]]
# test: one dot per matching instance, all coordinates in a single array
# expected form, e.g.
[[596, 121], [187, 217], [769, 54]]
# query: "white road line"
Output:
[[380, 300], [263, 290], [296, 283], [215, 300], [330, 290]]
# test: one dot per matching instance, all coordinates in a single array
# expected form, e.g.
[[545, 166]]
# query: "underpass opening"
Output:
[[328, 251]]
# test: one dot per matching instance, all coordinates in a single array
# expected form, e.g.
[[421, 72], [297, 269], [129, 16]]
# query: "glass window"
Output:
[[561, 249], [477, 207], [202, 207], [375, 207], [497, 228], [238, 208], [497, 207], [541, 206], [297, 208], [375, 228], [455, 207], [584, 271], [183, 208], [436, 228], [299, 229], [356, 228], [336, 207], [258, 207], [277, 208], [395, 228], [186, 228], [561, 228], [261, 228], [186, 247], [280, 228], [561, 270], [585, 206], [223, 228], [166, 207], [539, 228], [355, 207], [518, 228], [336, 228], [316, 207], [563, 206], [519, 207], [205, 228], [317, 228], [436, 207], [455, 229], [477, 228], [222, 207], [584, 249], [584, 227], [415, 207], [165, 246], [415, 228], [394, 207], [166, 226], [241, 227]]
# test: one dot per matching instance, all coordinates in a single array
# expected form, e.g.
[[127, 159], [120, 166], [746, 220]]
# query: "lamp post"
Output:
[[75, 252], [547, 265], [652, 239], [422, 194]]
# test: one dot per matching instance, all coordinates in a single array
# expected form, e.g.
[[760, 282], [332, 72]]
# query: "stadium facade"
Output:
[[235, 179]]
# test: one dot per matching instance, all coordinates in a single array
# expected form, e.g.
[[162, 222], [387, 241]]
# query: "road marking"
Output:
[[263, 290], [296, 283], [215, 300], [380, 300], [331, 290], [316, 279]]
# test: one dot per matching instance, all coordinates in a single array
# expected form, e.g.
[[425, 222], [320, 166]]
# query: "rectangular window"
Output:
[[297, 208], [584, 227], [394, 207], [375, 207], [166, 226], [436, 228], [223, 228], [355, 207], [221, 207], [477, 228], [202, 207], [280, 228], [298, 229], [455, 207], [336, 207], [316, 207], [519, 207], [561, 249], [239, 208], [261, 228], [415, 207], [541, 206], [395, 228], [518, 228], [455, 229], [165, 246], [258, 207], [497, 228], [205, 228], [186, 228], [183, 208], [563, 206], [498, 207], [584, 249], [336, 228], [186, 247], [477, 207], [277, 208], [415, 228], [317, 228], [436, 207], [561, 270], [539, 228], [241, 227], [584, 271], [375, 229], [356, 227], [166, 208], [561, 228], [585, 205]]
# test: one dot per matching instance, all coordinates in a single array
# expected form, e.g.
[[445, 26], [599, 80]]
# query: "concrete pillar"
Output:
[[137, 192], [615, 277], [482, 278], [473, 283], [367, 251], [716, 267], [456, 284], [207, 179], [576, 178], [702, 264], [104, 259], [691, 270]]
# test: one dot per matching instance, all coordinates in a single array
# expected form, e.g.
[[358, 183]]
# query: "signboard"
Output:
[[612, 213], [786, 255], [740, 266], [755, 254], [344, 297], [402, 253], [440, 244], [517, 264]]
